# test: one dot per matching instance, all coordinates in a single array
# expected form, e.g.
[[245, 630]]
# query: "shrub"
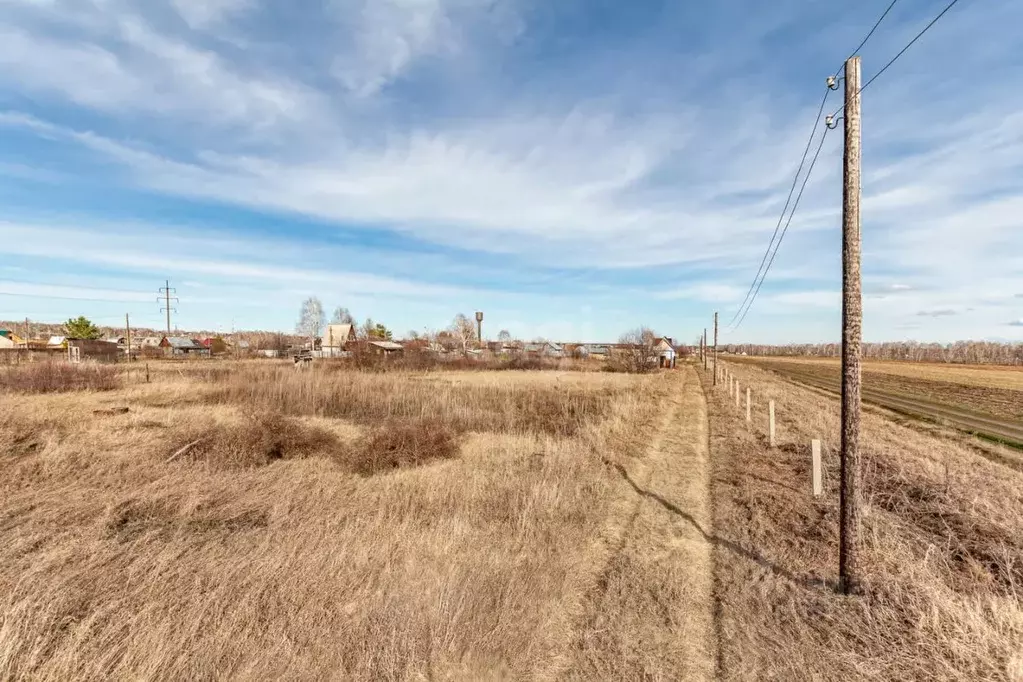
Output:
[[260, 439], [400, 444]]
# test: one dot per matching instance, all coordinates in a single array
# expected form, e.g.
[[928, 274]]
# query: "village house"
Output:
[[665, 349], [502, 347], [216, 345], [182, 345], [10, 340], [544, 349], [336, 339], [385, 347]]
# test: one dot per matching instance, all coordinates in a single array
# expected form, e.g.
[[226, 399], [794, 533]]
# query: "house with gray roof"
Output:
[[182, 345]]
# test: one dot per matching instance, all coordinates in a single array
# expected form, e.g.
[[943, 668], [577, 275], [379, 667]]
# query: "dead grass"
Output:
[[400, 444], [268, 553], [941, 549], [58, 377], [980, 376], [546, 407], [259, 439], [979, 391]]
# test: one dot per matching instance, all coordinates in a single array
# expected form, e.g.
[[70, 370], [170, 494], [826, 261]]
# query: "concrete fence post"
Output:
[[818, 477]]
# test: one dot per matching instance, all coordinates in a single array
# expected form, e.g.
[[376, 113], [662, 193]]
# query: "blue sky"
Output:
[[572, 168]]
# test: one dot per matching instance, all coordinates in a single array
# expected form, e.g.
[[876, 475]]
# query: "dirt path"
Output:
[[651, 616]]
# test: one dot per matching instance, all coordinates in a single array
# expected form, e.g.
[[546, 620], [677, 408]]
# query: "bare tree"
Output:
[[504, 336], [636, 351], [310, 319], [367, 329], [342, 316], [463, 329]]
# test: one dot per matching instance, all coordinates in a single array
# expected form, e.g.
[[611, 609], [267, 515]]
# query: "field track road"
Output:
[[651, 615]]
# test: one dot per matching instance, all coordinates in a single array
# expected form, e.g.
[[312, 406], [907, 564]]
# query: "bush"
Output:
[[262, 438], [402, 443], [58, 377]]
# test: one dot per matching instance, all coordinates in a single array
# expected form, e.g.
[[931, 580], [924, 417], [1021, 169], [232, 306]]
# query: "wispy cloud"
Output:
[[944, 312], [201, 14], [390, 36]]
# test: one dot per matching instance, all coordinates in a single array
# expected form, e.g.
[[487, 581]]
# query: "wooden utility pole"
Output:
[[127, 335], [704, 349], [715, 349], [852, 333]]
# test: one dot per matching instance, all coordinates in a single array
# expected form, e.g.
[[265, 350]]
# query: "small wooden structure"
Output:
[[92, 349]]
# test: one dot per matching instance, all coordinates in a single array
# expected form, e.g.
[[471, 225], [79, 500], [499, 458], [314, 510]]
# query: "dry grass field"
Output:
[[258, 522], [943, 547], [253, 521], [990, 391], [981, 376]]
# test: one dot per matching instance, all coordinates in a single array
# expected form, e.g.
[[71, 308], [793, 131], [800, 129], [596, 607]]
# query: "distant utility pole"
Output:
[[715, 349], [852, 334], [127, 336], [166, 292], [705, 349], [479, 328]]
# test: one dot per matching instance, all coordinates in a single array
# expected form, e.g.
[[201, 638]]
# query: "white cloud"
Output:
[[704, 291], [125, 68], [145, 250], [546, 188], [790, 300], [76, 293], [387, 37], [200, 14]]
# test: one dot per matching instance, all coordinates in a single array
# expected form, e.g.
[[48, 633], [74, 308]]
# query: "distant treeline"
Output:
[[960, 352]]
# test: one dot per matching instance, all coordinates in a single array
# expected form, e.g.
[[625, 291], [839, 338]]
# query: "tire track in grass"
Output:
[[651, 615]]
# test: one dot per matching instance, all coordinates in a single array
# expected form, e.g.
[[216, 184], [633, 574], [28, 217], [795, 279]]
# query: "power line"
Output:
[[795, 205], [903, 50], [909, 44], [865, 39], [71, 298], [802, 161], [755, 286], [795, 179], [52, 284]]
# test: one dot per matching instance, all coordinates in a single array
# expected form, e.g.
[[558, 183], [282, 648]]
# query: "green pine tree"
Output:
[[81, 328]]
